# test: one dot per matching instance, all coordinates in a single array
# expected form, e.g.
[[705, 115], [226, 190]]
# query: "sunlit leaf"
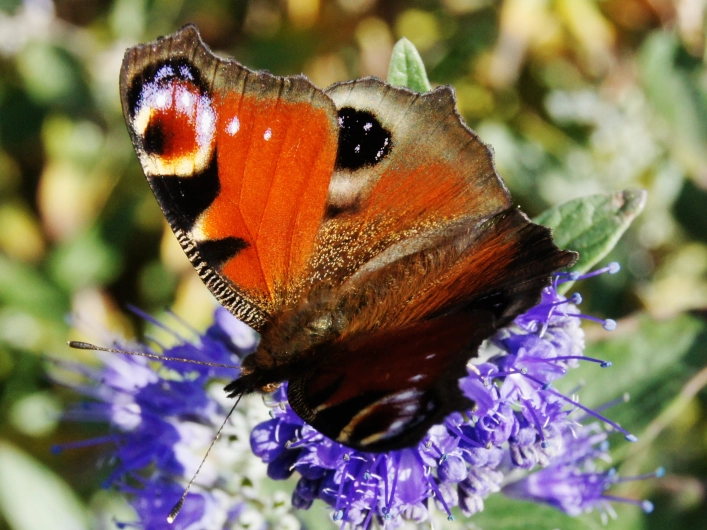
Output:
[[407, 68], [32, 497], [52, 76], [86, 260], [503, 513], [23, 287], [674, 93], [592, 225]]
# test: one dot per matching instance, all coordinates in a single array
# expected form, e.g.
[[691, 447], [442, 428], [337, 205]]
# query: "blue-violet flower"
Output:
[[163, 418]]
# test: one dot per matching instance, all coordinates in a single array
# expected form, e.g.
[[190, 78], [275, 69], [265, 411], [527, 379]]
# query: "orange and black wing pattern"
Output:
[[240, 163], [436, 260], [427, 223], [362, 229]]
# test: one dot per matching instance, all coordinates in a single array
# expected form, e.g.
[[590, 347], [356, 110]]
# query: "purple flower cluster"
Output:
[[523, 437], [162, 418], [519, 422]]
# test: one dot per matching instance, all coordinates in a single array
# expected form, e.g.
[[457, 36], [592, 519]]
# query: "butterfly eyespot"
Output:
[[174, 120], [363, 141]]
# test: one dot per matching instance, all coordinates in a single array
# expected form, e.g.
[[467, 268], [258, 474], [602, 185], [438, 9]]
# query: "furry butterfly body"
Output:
[[362, 230]]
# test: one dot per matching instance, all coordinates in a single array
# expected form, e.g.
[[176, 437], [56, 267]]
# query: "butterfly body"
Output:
[[363, 231]]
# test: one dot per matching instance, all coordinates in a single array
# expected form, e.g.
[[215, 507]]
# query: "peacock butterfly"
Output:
[[362, 230]]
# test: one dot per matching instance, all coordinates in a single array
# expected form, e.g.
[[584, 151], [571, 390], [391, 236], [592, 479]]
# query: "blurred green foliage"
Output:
[[577, 97]]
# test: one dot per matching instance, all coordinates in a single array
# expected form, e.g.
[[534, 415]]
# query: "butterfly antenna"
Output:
[[178, 507], [88, 346]]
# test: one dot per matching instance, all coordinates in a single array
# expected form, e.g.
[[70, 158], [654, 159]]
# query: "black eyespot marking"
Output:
[[183, 199], [154, 140], [219, 251], [170, 69], [363, 141]]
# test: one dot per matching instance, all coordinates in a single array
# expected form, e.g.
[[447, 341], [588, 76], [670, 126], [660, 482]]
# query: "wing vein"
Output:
[[240, 201]]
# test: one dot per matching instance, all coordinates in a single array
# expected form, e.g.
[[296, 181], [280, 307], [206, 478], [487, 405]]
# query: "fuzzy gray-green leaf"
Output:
[[406, 67], [592, 225]]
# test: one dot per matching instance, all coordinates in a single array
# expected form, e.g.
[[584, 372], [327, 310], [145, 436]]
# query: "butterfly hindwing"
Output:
[[240, 163], [384, 390], [382, 387]]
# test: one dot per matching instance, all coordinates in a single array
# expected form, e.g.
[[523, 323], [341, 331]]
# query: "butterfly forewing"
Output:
[[409, 157], [407, 172], [240, 163]]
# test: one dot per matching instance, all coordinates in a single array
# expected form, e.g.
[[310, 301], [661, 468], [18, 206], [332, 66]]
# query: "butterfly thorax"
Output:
[[288, 344]]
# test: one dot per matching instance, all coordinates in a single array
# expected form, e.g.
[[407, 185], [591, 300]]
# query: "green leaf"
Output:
[[85, 260], [673, 90], [407, 68], [26, 289], [592, 225], [648, 362], [503, 513], [33, 497]]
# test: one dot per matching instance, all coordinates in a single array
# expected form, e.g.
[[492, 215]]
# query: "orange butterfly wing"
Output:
[[436, 260], [419, 205], [433, 168], [240, 163], [366, 226]]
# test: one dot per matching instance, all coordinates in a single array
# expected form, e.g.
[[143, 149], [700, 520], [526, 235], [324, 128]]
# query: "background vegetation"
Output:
[[576, 97]]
